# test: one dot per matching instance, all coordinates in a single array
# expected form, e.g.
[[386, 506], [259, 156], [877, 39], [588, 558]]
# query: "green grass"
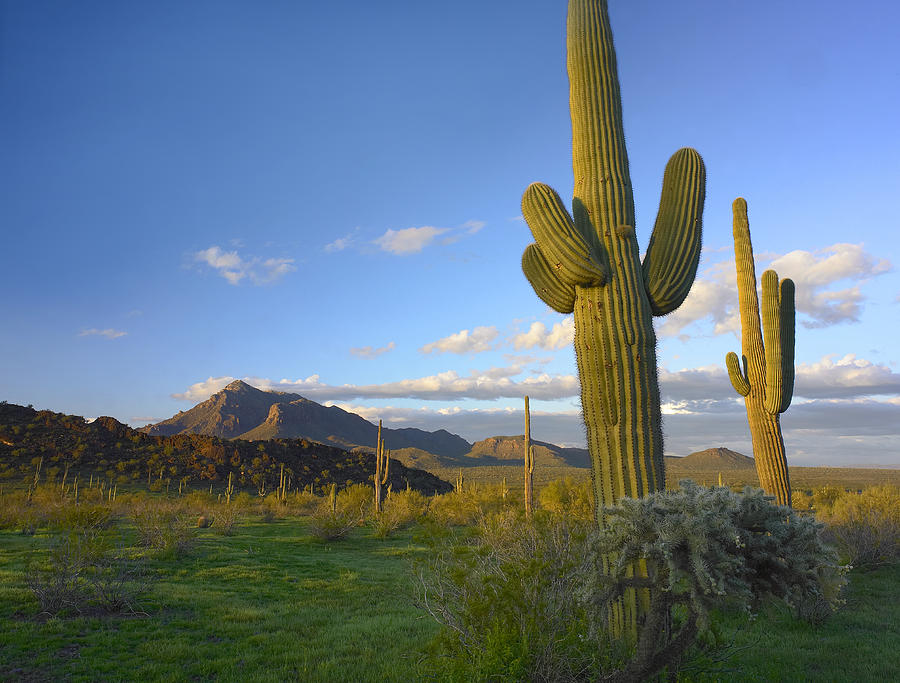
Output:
[[859, 643], [272, 604], [268, 604]]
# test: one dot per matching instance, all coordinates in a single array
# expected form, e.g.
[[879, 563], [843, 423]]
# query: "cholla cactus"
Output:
[[765, 374]]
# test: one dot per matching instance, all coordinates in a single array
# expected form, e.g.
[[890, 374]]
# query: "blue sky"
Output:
[[324, 198]]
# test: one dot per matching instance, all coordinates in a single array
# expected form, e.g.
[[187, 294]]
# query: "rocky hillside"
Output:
[[110, 450], [244, 412]]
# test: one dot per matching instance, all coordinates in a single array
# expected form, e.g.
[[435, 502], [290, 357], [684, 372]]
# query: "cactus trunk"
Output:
[[589, 263], [529, 464], [765, 374]]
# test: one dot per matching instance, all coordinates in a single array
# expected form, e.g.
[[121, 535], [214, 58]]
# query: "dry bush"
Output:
[[84, 575], [162, 525], [865, 527], [401, 510], [351, 506], [226, 519], [568, 497], [453, 509]]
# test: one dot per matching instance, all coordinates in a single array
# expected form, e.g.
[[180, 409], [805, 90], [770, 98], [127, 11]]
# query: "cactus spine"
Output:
[[765, 374], [589, 263], [529, 464], [382, 464]]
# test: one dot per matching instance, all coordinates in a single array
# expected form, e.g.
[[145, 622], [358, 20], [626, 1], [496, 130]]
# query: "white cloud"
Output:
[[845, 377], [472, 227], [109, 333], [408, 240], [562, 334], [815, 274], [234, 268], [476, 341], [339, 244], [370, 352]]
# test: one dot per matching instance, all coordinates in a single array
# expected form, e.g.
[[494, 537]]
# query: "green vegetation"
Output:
[[257, 595], [589, 263], [764, 375]]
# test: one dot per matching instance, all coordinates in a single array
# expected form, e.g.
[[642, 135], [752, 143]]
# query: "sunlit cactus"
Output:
[[764, 376], [589, 263], [382, 463], [529, 464]]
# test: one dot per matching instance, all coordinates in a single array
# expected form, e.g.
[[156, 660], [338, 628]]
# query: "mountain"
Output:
[[68, 446], [506, 448], [241, 411], [720, 458]]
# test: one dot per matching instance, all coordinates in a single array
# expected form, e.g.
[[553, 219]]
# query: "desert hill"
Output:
[[720, 458], [245, 412], [108, 449], [502, 449]]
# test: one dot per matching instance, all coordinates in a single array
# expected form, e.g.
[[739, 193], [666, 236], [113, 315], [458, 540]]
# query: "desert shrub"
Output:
[[84, 516], [865, 527], [82, 574], [400, 510], [523, 601], [567, 497], [162, 526], [457, 508], [823, 498], [226, 519], [334, 519]]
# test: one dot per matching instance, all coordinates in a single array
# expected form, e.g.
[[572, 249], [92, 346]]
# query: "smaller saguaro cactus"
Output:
[[229, 490], [764, 376], [332, 499], [529, 464], [382, 464]]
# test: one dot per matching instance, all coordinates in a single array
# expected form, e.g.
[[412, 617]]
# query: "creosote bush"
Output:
[[84, 574], [865, 526], [533, 602]]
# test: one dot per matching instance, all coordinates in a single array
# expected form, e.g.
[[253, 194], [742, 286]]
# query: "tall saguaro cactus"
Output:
[[589, 263], [765, 374], [382, 463], [529, 464]]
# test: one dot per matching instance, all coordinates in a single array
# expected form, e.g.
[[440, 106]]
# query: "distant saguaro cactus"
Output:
[[382, 463], [529, 464], [764, 376], [589, 263]]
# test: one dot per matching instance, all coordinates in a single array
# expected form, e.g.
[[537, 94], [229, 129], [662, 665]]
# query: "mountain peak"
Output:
[[237, 385]]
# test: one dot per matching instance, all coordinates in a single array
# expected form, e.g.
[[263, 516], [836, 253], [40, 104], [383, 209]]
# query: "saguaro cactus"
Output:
[[382, 463], [589, 263], [529, 464], [765, 374]]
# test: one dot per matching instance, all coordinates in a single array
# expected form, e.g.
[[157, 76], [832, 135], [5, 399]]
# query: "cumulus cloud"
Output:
[[464, 341], [109, 333], [489, 384], [340, 243], [561, 335], [234, 268], [370, 352], [409, 240], [814, 273], [845, 377], [820, 299]]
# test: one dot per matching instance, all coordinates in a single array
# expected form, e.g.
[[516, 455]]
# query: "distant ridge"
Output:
[[720, 458], [240, 411]]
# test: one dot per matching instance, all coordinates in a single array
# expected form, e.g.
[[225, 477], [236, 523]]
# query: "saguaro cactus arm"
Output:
[[737, 374], [552, 291], [778, 340], [673, 253]]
